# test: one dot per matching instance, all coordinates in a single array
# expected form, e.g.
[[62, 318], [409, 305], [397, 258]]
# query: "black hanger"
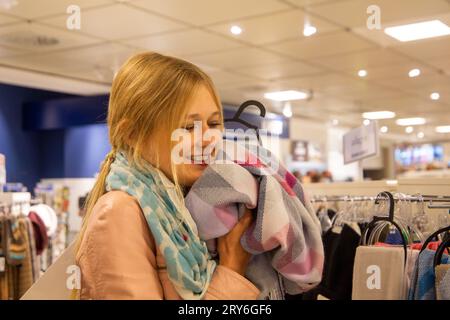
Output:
[[389, 218], [440, 252], [242, 107], [432, 236]]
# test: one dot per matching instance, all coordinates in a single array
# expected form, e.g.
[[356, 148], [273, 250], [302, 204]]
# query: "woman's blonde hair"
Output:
[[149, 92]]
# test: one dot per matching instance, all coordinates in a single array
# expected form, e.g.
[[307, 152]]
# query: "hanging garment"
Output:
[[379, 273], [26, 268], [285, 226], [424, 280], [443, 282], [4, 280], [39, 232]]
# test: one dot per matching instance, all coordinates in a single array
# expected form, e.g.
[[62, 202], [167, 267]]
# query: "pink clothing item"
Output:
[[119, 260]]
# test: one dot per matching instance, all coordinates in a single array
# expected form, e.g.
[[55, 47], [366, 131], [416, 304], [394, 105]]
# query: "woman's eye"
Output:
[[215, 124], [189, 127]]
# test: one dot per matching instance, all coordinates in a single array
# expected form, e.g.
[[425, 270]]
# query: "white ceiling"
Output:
[[270, 54]]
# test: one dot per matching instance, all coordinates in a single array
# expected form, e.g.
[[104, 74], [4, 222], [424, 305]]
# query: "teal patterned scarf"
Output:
[[189, 264]]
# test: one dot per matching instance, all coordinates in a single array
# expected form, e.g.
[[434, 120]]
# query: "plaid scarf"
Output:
[[189, 264]]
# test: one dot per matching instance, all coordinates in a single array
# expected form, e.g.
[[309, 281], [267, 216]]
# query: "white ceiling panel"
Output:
[[310, 3], [280, 70], [426, 50], [40, 38], [32, 9], [358, 60], [4, 19], [441, 63], [322, 45], [188, 42], [237, 58], [224, 78], [274, 28], [353, 13], [7, 52], [119, 21], [204, 12]]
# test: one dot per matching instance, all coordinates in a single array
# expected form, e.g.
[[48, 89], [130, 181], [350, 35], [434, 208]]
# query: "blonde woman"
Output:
[[138, 240]]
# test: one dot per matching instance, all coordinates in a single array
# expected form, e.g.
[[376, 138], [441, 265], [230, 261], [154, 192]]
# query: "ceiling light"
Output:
[[420, 135], [366, 122], [362, 73], [435, 96], [335, 122], [409, 129], [418, 31], [414, 73], [378, 115], [443, 129], [285, 95], [309, 30], [236, 30], [384, 129], [410, 121], [287, 110]]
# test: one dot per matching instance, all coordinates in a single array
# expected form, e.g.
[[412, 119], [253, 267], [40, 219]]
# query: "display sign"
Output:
[[361, 143]]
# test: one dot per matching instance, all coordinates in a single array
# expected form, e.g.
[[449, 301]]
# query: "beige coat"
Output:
[[119, 260]]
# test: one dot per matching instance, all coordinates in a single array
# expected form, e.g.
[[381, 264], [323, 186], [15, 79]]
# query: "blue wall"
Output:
[[21, 148]]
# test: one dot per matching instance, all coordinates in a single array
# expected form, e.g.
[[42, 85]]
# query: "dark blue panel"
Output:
[[85, 147], [64, 113]]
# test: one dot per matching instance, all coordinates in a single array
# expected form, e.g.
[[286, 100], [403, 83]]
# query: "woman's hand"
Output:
[[231, 253]]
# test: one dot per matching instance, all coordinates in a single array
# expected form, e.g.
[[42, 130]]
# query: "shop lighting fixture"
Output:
[[414, 73], [409, 129], [384, 129], [411, 121], [287, 110], [309, 30], [435, 96], [288, 95], [362, 73], [335, 122], [420, 135], [418, 31], [366, 122], [443, 129], [376, 115], [236, 30]]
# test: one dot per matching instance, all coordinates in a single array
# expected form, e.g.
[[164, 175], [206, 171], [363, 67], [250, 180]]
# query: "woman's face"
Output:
[[199, 132]]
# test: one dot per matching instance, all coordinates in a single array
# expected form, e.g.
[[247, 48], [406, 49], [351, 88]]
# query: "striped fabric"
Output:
[[286, 228]]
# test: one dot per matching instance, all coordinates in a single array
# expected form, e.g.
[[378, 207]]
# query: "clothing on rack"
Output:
[[443, 282], [424, 279], [285, 227]]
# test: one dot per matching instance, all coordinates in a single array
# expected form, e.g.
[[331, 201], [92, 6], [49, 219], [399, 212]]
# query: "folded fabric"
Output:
[[443, 282], [285, 226], [423, 282], [379, 273]]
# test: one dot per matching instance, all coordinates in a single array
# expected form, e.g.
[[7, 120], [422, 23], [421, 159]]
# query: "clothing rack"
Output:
[[415, 198]]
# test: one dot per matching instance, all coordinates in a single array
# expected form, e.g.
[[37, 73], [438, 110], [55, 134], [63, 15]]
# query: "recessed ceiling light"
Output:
[[366, 122], [409, 129], [309, 30], [375, 115], [362, 73], [285, 95], [443, 129], [410, 121], [435, 96], [236, 30], [287, 110], [414, 73], [418, 31], [335, 122], [384, 129], [420, 135]]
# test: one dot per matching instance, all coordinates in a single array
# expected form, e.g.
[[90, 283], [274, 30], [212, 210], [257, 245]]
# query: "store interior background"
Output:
[[54, 81]]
